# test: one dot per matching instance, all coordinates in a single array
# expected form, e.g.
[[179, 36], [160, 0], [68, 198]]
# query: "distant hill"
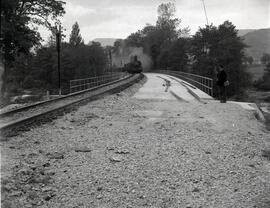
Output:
[[105, 41], [258, 42], [242, 32]]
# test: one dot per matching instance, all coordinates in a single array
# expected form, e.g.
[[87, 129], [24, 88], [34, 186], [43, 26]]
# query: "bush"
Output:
[[264, 82]]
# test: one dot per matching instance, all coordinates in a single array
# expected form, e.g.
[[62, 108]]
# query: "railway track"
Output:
[[21, 118]]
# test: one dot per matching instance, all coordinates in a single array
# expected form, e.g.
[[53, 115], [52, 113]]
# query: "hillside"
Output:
[[258, 42], [242, 32], [105, 41]]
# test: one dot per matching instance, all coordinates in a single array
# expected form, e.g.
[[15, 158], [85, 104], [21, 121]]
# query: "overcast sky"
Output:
[[119, 18]]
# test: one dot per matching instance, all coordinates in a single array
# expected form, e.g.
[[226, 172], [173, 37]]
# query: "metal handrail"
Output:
[[203, 83], [88, 83]]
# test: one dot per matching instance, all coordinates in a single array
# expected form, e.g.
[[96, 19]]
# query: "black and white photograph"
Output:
[[135, 103]]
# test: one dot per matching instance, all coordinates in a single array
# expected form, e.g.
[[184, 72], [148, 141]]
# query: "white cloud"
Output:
[[118, 18], [77, 10]]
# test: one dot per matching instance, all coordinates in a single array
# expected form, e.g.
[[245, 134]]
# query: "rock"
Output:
[[6, 188], [207, 152], [115, 159], [47, 189], [266, 154], [122, 152], [48, 197], [25, 171], [99, 197], [141, 196], [99, 188], [47, 164], [32, 195], [15, 193], [40, 179], [56, 155], [12, 147], [83, 149], [195, 190], [250, 133], [50, 172], [7, 204]]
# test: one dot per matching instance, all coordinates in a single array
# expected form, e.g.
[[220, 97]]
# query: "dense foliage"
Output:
[[170, 48], [76, 62], [212, 46], [163, 42], [264, 82], [19, 21], [38, 71], [265, 59]]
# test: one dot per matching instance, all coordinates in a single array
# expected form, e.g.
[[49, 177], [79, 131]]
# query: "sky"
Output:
[[120, 18]]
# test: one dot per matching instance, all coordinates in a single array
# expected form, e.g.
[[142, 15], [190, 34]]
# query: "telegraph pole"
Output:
[[205, 12], [110, 57], [58, 45]]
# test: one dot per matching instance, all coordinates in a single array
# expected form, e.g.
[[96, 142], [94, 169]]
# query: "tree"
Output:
[[135, 39], [248, 60], [212, 46], [75, 38], [265, 59], [174, 56], [264, 82], [18, 36], [19, 19], [157, 40]]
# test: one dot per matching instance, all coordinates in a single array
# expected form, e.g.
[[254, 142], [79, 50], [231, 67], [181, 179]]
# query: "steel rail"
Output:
[[7, 113], [94, 93]]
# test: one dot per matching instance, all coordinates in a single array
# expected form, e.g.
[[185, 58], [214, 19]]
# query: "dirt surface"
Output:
[[125, 152]]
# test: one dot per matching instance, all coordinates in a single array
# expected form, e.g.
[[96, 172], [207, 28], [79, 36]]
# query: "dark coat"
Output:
[[221, 78]]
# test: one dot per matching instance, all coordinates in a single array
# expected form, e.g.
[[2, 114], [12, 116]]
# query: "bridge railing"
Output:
[[77, 85], [203, 83]]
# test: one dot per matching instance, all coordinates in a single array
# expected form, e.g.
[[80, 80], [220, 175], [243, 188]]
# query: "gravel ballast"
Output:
[[123, 152]]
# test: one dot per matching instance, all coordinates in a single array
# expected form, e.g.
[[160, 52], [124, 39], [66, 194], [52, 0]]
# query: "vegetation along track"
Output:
[[19, 119]]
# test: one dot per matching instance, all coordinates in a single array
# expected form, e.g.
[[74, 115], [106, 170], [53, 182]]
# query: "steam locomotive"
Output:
[[134, 66]]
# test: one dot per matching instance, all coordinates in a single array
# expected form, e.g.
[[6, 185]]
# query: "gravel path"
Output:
[[123, 152]]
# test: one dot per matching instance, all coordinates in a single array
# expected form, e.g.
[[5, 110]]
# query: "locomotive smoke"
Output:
[[123, 56]]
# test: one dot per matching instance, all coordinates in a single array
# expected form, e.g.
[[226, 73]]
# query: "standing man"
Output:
[[222, 83]]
